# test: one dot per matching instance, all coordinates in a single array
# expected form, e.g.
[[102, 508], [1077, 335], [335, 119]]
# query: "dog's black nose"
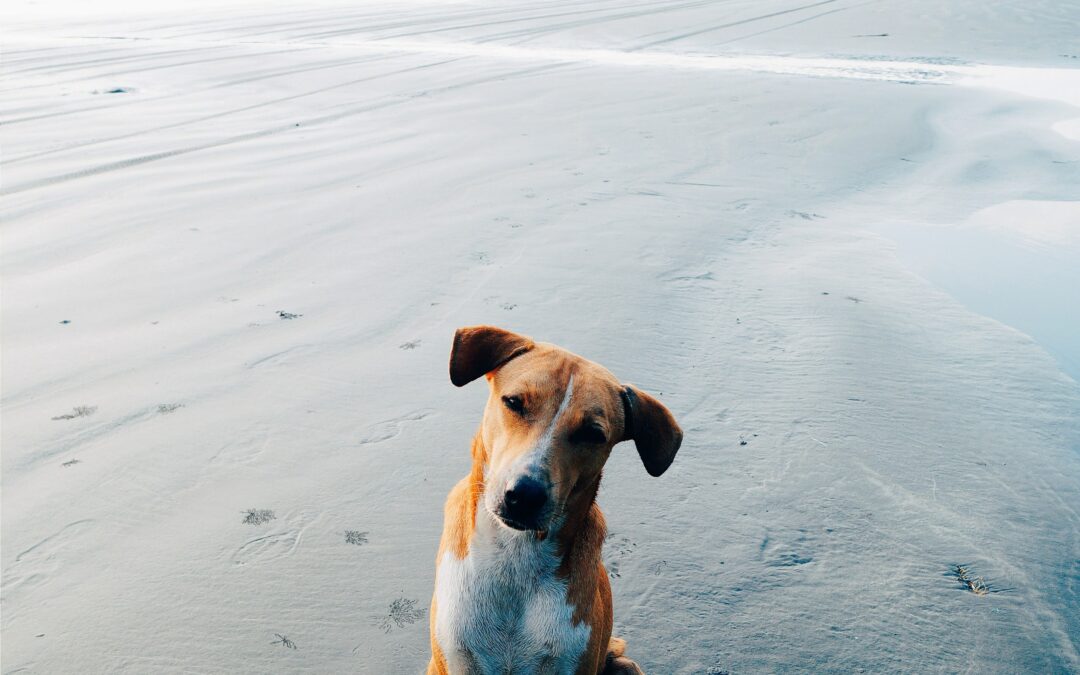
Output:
[[524, 502]]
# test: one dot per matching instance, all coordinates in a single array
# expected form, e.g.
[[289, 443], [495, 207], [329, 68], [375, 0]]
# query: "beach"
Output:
[[837, 239]]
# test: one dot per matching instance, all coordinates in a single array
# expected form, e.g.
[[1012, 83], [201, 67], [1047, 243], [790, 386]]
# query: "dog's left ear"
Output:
[[652, 427], [479, 350]]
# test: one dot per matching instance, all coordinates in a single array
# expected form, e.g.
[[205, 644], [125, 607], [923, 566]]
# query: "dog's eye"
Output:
[[589, 434], [514, 403]]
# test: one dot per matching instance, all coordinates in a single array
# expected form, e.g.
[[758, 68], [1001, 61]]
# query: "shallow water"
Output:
[[1017, 262]]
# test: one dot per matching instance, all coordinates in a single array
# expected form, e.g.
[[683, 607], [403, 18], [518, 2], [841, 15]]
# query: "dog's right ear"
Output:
[[478, 350]]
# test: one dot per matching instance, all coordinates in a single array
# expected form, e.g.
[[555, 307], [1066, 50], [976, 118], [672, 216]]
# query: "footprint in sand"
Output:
[[267, 547], [613, 570], [805, 215], [789, 560], [504, 305], [690, 279], [387, 429], [242, 451], [615, 551], [38, 562], [795, 552]]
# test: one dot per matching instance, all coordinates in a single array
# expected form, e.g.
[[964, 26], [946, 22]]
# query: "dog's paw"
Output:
[[617, 664], [620, 665]]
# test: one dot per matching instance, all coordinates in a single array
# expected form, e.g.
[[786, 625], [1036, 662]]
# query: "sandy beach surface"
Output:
[[839, 239]]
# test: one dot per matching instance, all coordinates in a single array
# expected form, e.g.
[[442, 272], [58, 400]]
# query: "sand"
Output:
[[836, 238]]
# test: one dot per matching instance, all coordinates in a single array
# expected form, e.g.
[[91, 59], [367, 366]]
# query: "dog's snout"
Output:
[[527, 495], [525, 501]]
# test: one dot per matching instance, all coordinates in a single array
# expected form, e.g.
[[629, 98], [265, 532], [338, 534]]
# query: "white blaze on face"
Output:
[[535, 463]]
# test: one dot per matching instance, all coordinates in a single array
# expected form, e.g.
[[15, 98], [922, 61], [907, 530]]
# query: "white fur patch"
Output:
[[536, 463], [502, 609], [543, 446]]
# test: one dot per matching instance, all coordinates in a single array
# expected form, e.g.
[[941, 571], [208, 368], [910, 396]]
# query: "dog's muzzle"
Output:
[[524, 505]]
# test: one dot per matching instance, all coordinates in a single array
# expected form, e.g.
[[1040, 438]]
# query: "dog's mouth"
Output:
[[514, 524], [530, 525]]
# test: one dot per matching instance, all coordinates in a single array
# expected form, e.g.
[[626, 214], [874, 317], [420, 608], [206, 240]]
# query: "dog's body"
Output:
[[520, 586]]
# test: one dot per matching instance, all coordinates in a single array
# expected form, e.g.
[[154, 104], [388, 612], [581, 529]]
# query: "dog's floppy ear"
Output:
[[652, 427], [479, 350]]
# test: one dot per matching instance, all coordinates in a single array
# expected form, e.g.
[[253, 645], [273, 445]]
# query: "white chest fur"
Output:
[[502, 609]]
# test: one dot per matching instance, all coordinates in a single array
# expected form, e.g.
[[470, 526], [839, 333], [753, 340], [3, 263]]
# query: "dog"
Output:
[[520, 586]]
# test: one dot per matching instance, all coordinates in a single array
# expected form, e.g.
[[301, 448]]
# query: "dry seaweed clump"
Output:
[[403, 612], [976, 585], [78, 411], [284, 641], [258, 516], [356, 537]]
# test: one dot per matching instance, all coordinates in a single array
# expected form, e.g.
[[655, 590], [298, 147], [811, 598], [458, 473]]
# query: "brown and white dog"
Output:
[[520, 586]]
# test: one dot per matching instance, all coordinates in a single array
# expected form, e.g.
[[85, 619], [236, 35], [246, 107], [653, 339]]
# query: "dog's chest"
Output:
[[502, 609]]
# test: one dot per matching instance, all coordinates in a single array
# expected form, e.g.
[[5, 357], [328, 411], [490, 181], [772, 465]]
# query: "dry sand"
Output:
[[237, 239]]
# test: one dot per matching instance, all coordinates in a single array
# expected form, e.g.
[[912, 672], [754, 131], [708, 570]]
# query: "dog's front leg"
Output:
[[465, 665]]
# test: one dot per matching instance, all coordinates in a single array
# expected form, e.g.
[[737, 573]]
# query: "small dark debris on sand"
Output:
[[115, 90], [411, 344], [356, 537], [976, 585], [78, 411], [284, 641], [166, 408], [403, 612], [288, 315], [258, 516], [854, 299], [65, 322], [71, 462]]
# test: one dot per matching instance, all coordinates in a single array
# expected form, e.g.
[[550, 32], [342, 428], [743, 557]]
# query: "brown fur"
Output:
[[538, 373]]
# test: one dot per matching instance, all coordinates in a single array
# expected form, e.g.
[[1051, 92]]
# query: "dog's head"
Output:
[[550, 422]]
